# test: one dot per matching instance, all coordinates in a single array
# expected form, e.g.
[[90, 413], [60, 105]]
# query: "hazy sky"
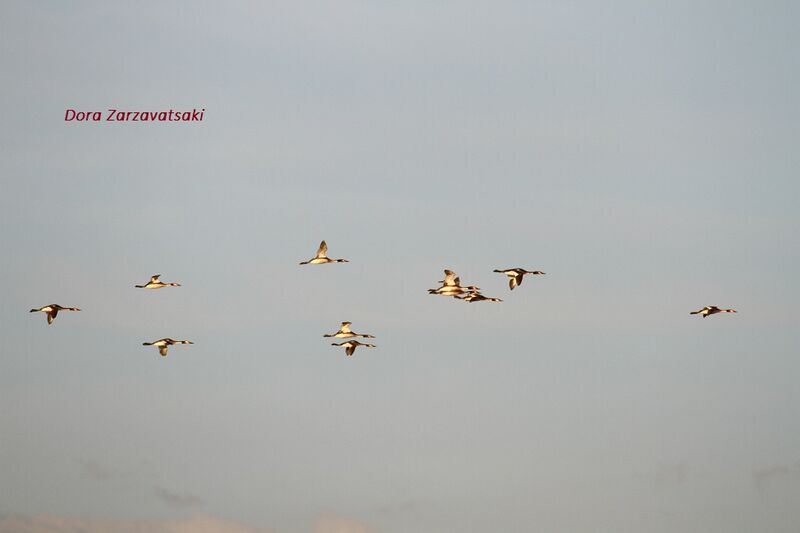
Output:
[[643, 154]]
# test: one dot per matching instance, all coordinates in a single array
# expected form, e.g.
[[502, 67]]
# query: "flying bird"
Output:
[[515, 275], [451, 286], [164, 344], [453, 290], [52, 311], [345, 333], [477, 297], [155, 283], [350, 346], [322, 257], [711, 310]]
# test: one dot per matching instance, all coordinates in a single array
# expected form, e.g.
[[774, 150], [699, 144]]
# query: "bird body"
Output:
[[711, 310], [477, 297], [515, 275], [164, 344], [52, 311], [322, 257], [451, 286], [446, 290], [346, 333], [155, 283], [350, 346]]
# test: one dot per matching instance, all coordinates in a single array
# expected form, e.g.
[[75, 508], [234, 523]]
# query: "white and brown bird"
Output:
[[454, 290], [477, 297], [346, 333], [52, 311], [322, 257], [451, 286], [155, 283], [515, 275], [164, 344], [350, 346], [711, 310]]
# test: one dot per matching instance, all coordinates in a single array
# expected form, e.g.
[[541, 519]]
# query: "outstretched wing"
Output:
[[163, 349], [345, 327], [450, 278], [52, 316], [350, 349], [154, 278], [323, 250], [512, 282]]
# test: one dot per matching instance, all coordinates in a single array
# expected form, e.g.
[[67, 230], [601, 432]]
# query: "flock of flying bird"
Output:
[[450, 286]]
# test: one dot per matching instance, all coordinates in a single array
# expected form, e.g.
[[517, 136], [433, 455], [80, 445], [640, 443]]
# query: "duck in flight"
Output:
[[454, 290], [350, 346], [322, 257], [164, 344], [451, 286], [52, 311], [711, 310], [515, 275], [346, 333], [155, 283], [477, 297]]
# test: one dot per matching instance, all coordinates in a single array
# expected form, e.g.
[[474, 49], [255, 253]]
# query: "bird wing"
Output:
[[52, 315], [350, 349], [323, 250], [450, 278], [345, 327], [163, 349], [154, 278], [512, 282]]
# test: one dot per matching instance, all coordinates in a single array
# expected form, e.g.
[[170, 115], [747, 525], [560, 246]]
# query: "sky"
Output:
[[642, 154]]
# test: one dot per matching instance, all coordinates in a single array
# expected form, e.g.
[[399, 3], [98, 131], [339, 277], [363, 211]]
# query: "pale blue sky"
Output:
[[642, 154]]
